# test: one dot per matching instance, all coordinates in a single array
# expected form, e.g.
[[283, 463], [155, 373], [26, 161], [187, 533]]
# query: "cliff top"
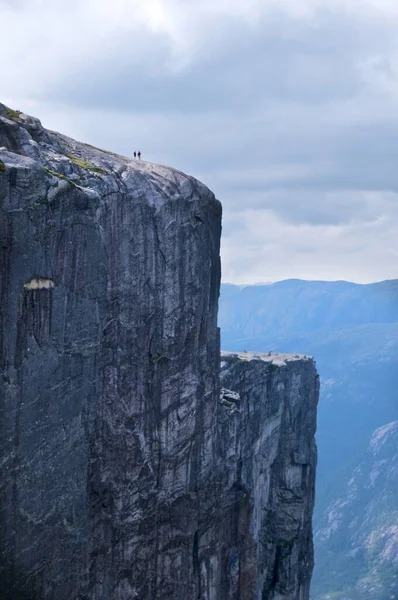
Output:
[[25, 143], [269, 357]]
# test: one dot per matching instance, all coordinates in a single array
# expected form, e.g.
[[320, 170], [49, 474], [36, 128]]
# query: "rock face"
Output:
[[352, 330], [114, 445], [270, 461], [109, 345]]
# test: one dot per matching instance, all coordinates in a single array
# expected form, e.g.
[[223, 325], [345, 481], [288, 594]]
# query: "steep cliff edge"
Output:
[[109, 346], [270, 455], [113, 441], [352, 330]]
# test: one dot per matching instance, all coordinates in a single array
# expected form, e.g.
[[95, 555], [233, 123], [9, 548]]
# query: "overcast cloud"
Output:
[[287, 109]]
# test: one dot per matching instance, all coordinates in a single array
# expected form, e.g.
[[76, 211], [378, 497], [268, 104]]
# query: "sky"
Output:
[[286, 109]]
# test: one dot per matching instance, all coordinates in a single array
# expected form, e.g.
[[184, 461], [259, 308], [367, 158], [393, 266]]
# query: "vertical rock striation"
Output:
[[122, 476], [270, 459], [109, 345]]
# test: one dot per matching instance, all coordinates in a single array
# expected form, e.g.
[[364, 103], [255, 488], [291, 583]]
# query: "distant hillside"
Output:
[[357, 534], [352, 330], [305, 306]]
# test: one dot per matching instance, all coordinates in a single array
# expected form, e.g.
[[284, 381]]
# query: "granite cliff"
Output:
[[270, 459], [352, 329], [125, 471]]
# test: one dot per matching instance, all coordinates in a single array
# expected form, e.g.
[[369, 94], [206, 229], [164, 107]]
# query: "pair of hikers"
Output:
[[137, 154]]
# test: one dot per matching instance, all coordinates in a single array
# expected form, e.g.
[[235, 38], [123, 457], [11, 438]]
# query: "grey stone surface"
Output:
[[120, 468], [109, 372], [270, 462], [352, 330]]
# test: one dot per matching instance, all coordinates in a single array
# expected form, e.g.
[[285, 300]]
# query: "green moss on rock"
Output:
[[59, 175], [84, 164], [12, 114]]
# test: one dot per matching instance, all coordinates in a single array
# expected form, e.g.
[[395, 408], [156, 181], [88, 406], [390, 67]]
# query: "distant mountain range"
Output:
[[352, 331]]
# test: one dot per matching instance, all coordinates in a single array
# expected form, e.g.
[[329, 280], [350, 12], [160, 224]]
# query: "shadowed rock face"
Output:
[[110, 277], [352, 330], [269, 476], [114, 446]]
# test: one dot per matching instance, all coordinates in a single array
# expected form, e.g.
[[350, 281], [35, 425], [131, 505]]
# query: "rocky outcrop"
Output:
[[122, 474], [352, 330], [109, 346], [270, 460]]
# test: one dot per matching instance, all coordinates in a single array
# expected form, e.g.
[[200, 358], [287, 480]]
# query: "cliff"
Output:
[[352, 330], [270, 454], [113, 441]]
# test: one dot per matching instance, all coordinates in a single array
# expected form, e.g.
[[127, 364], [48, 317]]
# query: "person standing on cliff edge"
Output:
[[139, 154], [135, 154]]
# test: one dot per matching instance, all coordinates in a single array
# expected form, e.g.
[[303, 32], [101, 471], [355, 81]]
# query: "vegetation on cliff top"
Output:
[[84, 164], [59, 175], [12, 114]]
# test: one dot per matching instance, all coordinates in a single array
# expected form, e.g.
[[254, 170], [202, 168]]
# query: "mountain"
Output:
[[125, 472], [357, 534], [295, 306], [352, 331]]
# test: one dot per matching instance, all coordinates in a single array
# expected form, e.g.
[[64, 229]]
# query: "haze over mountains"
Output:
[[352, 331]]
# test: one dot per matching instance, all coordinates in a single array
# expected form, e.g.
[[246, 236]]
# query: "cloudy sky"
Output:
[[287, 109]]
